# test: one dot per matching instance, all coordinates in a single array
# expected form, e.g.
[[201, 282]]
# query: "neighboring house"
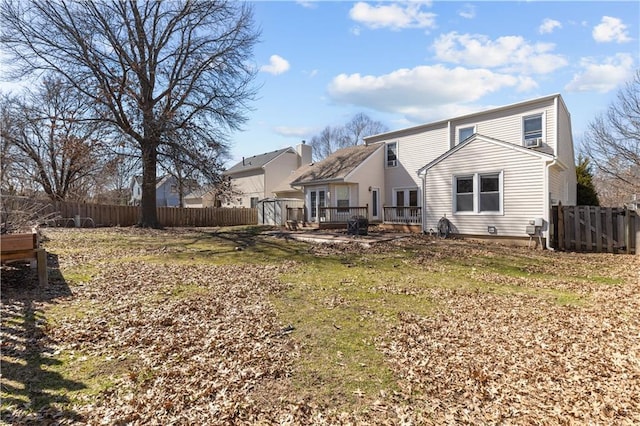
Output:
[[202, 197], [167, 191], [255, 178], [489, 173], [136, 191]]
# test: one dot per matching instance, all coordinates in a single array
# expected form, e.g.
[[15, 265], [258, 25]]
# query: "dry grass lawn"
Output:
[[236, 326]]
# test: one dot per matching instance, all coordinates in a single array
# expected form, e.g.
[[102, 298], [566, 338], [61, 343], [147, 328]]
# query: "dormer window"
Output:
[[532, 131], [465, 133]]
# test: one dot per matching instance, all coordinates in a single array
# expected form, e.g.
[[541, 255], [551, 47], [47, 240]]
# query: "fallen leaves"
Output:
[[201, 343]]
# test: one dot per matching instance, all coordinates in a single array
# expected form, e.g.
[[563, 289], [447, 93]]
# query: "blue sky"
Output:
[[409, 63]]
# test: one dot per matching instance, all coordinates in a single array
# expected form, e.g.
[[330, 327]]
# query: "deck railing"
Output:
[[340, 214], [411, 215]]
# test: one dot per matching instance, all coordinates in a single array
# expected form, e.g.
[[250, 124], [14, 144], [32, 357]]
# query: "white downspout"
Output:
[[423, 175], [547, 202]]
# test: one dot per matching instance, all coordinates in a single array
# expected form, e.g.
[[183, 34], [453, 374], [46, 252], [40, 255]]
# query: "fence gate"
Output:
[[594, 229]]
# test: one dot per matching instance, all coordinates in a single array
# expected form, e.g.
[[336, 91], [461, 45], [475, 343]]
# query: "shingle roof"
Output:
[[256, 162], [337, 166]]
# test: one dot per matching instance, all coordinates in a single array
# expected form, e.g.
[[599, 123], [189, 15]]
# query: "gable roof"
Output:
[[424, 127], [475, 137], [200, 192], [337, 166], [256, 161]]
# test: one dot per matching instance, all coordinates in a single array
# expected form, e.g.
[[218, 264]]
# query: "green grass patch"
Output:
[[339, 308]]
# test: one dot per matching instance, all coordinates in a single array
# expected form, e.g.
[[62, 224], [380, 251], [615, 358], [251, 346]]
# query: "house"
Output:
[[256, 178], [493, 173], [202, 197], [167, 191], [349, 177], [135, 188]]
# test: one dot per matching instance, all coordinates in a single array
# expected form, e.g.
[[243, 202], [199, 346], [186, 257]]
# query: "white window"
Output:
[[342, 198], [392, 154], [253, 202], [465, 133], [464, 193], [532, 130], [478, 193]]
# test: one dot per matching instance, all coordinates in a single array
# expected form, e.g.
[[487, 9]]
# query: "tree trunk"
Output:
[[149, 217]]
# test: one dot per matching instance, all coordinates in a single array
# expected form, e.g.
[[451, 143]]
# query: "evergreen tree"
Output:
[[587, 195]]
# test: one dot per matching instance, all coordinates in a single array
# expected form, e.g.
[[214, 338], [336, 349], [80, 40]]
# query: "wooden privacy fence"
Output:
[[594, 229], [68, 214]]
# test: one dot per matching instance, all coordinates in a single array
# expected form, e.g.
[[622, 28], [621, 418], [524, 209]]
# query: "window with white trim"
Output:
[[464, 193], [342, 198], [392, 154], [532, 129], [465, 133], [479, 193]]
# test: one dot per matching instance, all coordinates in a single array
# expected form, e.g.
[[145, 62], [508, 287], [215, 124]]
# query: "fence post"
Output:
[[627, 230], [637, 233], [609, 227], [561, 244]]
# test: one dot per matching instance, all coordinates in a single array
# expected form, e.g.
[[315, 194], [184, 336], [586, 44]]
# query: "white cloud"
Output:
[[277, 65], [293, 131], [393, 15], [422, 92], [309, 4], [610, 29], [602, 77], [468, 11], [548, 26], [508, 53]]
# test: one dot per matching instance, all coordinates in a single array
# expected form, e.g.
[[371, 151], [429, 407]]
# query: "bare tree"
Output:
[[360, 126], [326, 142], [113, 184], [49, 141], [612, 141], [352, 133], [152, 69]]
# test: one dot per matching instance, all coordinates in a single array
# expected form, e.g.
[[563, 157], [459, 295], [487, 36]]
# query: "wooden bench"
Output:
[[25, 247]]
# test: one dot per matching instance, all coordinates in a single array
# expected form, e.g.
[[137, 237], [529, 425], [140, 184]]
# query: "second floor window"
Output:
[[532, 128], [392, 154], [465, 133]]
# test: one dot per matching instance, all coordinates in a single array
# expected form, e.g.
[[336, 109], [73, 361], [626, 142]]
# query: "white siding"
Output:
[[414, 151], [368, 175], [249, 185], [523, 189], [566, 154], [277, 170], [506, 125]]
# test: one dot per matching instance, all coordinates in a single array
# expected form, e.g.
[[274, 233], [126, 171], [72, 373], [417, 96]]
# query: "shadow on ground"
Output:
[[31, 392]]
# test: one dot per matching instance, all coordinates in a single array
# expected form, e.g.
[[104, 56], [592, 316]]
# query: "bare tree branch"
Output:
[[612, 141], [149, 68]]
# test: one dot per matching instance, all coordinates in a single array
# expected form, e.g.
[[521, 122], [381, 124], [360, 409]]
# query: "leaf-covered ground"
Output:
[[238, 327]]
